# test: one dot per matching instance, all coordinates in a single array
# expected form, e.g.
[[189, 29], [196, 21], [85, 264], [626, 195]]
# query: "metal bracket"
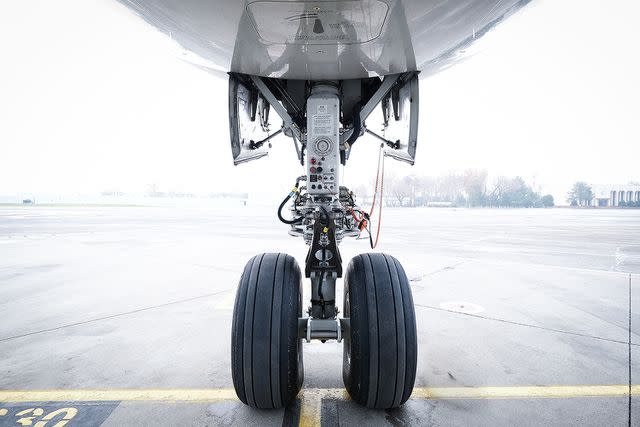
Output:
[[376, 98], [378, 95], [324, 239], [299, 149], [310, 328], [289, 124]]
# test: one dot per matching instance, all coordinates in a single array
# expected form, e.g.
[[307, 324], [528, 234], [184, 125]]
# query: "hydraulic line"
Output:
[[375, 189], [293, 191], [379, 180], [364, 221]]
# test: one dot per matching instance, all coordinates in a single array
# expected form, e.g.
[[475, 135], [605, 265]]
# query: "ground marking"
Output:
[[308, 395], [146, 395], [311, 404], [311, 399]]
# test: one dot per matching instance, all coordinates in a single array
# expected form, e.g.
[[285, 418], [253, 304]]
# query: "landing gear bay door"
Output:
[[248, 121], [400, 115]]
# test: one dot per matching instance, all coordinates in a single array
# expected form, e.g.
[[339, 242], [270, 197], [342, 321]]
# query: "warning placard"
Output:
[[322, 123]]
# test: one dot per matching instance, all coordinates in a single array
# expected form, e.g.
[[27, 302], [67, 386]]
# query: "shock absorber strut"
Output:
[[323, 262]]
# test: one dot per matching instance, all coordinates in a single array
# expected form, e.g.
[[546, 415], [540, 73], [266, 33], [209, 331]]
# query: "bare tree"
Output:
[[450, 187], [362, 193], [398, 189], [425, 189], [475, 186]]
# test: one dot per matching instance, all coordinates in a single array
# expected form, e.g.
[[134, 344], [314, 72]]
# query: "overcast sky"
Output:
[[93, 99]]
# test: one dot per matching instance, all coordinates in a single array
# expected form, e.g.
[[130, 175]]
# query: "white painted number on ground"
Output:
[[34, 417]]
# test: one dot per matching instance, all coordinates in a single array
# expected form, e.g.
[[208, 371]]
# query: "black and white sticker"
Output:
[[322, 122]]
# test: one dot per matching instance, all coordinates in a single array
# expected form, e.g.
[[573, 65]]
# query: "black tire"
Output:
[[380, 352], [266, 354]]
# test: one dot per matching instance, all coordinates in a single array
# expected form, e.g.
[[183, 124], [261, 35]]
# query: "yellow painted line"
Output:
[[311, 404], [160, 395], [312, 398], [525, 392]]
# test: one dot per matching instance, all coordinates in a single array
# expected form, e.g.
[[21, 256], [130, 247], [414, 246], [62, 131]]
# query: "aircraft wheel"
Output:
[[266, 354], [380, 352]]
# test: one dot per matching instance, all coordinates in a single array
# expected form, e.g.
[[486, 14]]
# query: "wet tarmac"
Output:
[[123, 316]]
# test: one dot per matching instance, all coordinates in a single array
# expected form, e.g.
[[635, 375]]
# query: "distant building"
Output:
[[613, 195]]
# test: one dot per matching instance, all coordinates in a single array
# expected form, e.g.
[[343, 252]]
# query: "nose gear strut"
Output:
[[378, 325]]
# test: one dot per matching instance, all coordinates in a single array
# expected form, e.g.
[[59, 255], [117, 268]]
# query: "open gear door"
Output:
[[400, 115], [248, 121]]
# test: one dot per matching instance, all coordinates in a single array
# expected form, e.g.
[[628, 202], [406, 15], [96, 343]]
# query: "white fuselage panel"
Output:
[[318, 40]]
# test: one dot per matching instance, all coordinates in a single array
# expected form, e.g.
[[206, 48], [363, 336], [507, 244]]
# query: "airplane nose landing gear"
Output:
[[378, 327]]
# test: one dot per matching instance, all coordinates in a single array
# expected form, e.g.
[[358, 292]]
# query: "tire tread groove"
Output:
[[264, 332], [376, 374]]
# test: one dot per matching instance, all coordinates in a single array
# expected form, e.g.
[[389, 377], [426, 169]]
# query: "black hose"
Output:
[[286, 199], [353, 202]]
